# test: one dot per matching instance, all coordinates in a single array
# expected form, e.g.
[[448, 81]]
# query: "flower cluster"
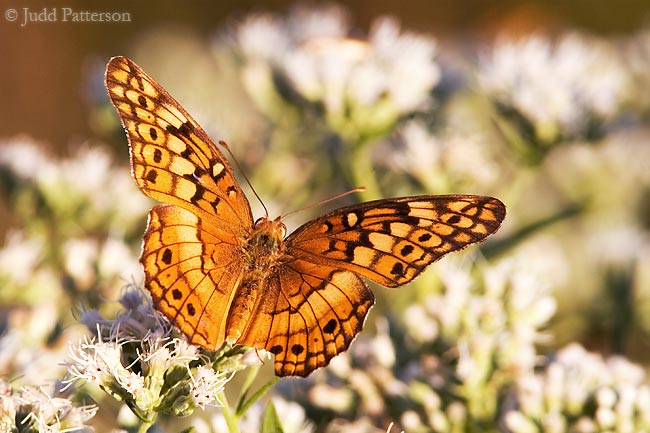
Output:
[[333, 94], [68, 187], [556, 90], [437, 161], [362, 85], [136, 359], [582, 392], [34, 409], [69, 240], [57, 202]]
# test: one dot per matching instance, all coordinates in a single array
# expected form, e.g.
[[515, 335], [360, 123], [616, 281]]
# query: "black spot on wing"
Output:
[[364, 239], [398, 270], [330, 327], [167, 256], [187, 153], [406, 250], [151, 176], [183, 131]]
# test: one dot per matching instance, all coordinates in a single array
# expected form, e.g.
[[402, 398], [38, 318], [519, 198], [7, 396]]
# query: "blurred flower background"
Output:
[[543, 328]]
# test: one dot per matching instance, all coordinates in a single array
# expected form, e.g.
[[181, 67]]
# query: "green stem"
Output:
[[248, 403], [230, 417], [362, 173], [144, 426], [250, 379]]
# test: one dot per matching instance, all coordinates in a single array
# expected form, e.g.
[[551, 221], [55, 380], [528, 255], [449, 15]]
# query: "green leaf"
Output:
[[243, 405], [271, 420]]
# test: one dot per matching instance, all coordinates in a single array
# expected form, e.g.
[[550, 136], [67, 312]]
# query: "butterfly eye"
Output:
[[260, 221]]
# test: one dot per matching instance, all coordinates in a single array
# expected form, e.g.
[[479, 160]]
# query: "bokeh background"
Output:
[[47, 74], [542, 104]]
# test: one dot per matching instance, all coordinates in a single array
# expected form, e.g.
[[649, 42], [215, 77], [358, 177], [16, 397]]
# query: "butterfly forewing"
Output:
[[391, 241], [173, 160], [192, 252]]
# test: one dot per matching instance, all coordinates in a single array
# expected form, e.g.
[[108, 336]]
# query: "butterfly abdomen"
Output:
[[263, 252]]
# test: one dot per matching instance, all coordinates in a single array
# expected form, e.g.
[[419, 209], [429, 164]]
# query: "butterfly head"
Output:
[[272, 231]]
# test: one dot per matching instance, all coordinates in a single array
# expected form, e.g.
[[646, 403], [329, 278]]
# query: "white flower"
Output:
[[89, 171], [117, 259], [206, 386], [556, 84], [574, 378], [34, 409], [441, 162], [408, 61], [364, 85], [292, 416], [19, 257], [25, 158], [135, 359], [421, 326], [95, 362], [517, 422], [338, 399], [80, 256]]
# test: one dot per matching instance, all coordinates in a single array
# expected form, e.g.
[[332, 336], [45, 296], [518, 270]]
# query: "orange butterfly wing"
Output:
[[172, 159], [192, 252], [304, 303], [317, 302], [191, 273], [311, 313], [391, 241]]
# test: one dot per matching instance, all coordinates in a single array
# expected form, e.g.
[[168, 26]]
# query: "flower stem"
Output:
[[362, 173], [244, 405], [144, 426], [230, 417]]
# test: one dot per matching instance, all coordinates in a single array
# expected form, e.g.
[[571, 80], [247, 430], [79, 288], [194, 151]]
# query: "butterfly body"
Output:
[[263, 253], [220, 277]]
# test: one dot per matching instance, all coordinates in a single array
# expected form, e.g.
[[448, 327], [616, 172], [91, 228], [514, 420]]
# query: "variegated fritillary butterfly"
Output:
[[220, 277]]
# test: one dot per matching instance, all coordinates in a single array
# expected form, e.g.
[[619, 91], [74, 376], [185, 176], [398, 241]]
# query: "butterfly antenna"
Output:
[[225, 146], [327, 200]]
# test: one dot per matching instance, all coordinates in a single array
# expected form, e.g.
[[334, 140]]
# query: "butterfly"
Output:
[[219, 276]]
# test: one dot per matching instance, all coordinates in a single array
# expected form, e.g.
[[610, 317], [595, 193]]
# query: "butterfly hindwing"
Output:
[[391, 241], [190, 273], [310, 313], [173, 160]]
